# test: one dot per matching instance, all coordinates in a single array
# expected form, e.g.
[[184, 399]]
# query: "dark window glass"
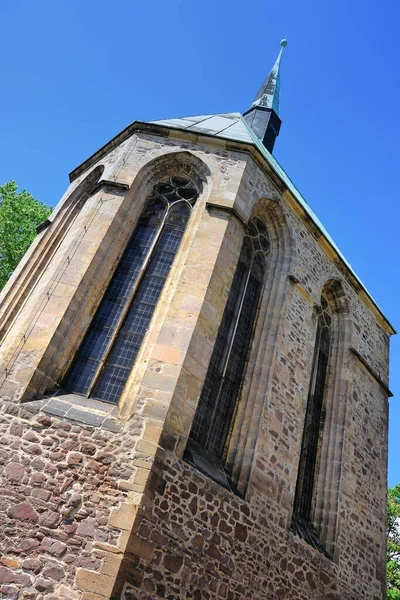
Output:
[[302, 510], [107, 354], [217, 403], [130, 336]]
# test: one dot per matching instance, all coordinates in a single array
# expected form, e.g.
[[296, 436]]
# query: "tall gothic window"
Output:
[[215, 411], [302, 522], [106, 356]]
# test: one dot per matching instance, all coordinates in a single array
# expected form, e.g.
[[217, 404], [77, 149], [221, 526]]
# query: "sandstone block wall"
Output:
[[97, 501]]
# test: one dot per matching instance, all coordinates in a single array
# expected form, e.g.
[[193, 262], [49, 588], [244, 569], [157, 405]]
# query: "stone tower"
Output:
[[194, 382]]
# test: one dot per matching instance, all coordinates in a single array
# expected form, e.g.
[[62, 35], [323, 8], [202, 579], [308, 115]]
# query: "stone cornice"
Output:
[[371, 371], [227, 209]]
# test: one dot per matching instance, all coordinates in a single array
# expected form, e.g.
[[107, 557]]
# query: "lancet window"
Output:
[[105, 358], [217, 404], [312, 434]]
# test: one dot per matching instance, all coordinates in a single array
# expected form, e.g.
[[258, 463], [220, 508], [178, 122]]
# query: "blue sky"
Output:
[[73, 74]]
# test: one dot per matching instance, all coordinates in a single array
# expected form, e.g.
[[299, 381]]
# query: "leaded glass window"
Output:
[[107, 353], [218, 399], [313, 427]]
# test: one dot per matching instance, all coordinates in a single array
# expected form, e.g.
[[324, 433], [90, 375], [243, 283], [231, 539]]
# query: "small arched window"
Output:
[[215, 411], [105, 358], [312, 435]]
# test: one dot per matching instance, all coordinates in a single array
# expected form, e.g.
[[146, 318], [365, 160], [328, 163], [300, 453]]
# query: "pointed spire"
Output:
[[263, 114]]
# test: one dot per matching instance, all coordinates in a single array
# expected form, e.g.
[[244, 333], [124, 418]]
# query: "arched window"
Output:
[[312, 435], [212, 421], [107, 353]]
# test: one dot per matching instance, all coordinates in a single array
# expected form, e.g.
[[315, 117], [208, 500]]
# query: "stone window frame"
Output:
[[254, 257], [326, 489], [72, 330], [257, 383], [255, 390], [166, 214]]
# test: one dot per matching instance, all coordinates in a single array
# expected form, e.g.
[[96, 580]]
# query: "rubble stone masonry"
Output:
[[97, 500]]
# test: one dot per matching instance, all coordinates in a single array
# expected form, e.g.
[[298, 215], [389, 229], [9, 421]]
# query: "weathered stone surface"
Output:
[[98, 498], [49, 519], [86, 528], [15, 471], [57, 573], [9, 576], [23, 511], [173, 563], [32, 564]]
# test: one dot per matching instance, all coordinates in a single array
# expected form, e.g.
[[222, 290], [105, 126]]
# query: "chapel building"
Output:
[[194, 382]]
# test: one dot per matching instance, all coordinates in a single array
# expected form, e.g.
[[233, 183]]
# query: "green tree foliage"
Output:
[[19, 215], [393, 543]]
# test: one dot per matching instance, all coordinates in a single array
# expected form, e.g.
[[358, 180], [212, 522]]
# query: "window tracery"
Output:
[[218, 399], [109, 349], [312, 433]]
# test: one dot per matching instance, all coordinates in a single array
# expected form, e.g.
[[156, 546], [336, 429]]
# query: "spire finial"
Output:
[[263, 114]]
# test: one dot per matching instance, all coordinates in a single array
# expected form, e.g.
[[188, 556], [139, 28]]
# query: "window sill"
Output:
[[306, 532], [78, 408], [209, 465]]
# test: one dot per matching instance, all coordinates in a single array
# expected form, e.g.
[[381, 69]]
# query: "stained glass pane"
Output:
[[127, 343], [95, 342], [124, 349], [111, 383], [212, 384], [94, 345], [179, 181], [138, 318], [234, 369], [81, 375], [222, 384]]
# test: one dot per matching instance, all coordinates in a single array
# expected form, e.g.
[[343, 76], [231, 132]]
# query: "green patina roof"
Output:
[[268, 94], [232, 126]]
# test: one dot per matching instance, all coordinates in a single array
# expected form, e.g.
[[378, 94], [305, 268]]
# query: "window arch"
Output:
[[103, 362], [211, 426], [302, 522]]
